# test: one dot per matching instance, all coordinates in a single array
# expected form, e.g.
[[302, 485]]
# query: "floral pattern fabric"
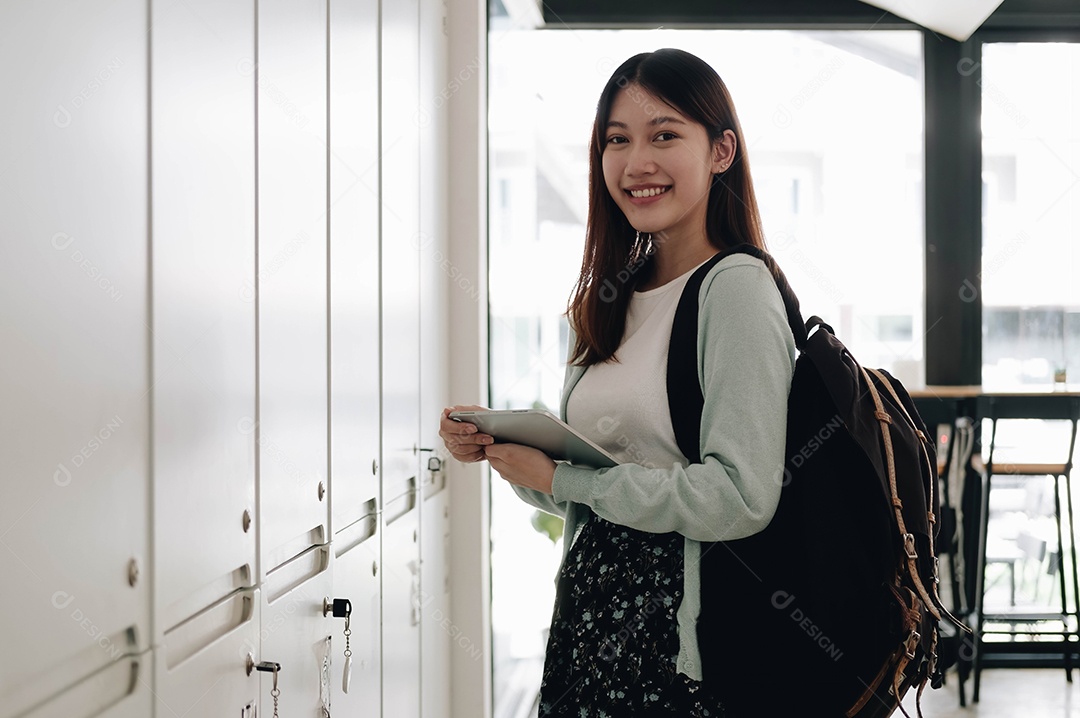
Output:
[[614, 635]]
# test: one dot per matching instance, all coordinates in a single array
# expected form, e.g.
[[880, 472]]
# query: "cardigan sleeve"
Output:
[[746, 358], [540, 500]]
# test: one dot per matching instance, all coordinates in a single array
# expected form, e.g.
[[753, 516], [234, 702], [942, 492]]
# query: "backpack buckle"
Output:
[[911, 644], [909, 546]]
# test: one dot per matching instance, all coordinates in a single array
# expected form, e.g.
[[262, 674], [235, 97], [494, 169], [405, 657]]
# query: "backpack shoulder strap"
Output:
[[685, 399]]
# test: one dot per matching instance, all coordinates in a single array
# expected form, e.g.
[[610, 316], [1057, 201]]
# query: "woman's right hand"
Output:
[[462, 439]]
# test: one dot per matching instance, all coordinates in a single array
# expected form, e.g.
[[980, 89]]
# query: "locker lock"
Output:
[[275, 692], [342, 607], [434, 463]]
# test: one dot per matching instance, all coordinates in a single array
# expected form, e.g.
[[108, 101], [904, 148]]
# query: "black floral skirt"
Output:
[[614, 638]]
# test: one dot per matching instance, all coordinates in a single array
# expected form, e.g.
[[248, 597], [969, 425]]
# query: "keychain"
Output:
[[342, 608], [324, 679], [275, 691], [346, 673]]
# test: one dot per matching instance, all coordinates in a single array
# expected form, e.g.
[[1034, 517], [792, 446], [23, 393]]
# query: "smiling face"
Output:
[[658, 165]]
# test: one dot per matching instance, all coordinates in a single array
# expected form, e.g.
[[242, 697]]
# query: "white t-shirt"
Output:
[[623, 405]]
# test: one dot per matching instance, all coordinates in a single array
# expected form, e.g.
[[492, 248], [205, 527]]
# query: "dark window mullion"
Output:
[[953, 182]]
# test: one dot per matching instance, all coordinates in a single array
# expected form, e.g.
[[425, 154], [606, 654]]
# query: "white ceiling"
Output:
[[954, 18]]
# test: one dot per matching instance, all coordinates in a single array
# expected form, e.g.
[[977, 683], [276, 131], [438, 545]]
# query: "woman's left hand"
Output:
[[522, 465]]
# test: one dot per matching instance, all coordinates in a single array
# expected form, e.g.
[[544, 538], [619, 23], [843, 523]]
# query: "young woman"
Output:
[[669, 187]]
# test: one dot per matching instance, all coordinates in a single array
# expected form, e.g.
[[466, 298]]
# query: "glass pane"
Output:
[[834, 123], [1031, 215]]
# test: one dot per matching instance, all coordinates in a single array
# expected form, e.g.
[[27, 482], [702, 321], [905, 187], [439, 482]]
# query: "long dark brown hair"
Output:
[[610, 270]]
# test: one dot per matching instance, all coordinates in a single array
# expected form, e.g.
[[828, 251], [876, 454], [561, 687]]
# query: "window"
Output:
[[1030, 260]]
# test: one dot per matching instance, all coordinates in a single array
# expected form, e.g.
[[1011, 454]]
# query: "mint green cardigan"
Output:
[[746, 357]]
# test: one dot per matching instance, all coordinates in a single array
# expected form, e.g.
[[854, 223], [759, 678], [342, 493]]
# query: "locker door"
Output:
[[203, 152], [357, 577], [437, 625], [355, 353], [74, 347], [202, 665], [354, 261], [400, 241], [291, 282], [442, 640], [295, 635], [400, 346], [401, 608]]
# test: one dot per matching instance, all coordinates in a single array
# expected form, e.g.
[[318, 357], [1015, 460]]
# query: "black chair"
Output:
[[1049, 407], [938, 412]]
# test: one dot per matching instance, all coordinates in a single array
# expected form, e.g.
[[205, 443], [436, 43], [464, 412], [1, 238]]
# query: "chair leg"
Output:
[[954, 582], [980, 580], [960, 677], [1072, 551], [1065, 633], [962, 662], [1012, 584]]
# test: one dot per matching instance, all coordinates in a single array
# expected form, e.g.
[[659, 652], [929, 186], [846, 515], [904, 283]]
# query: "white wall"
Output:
[[226, 238]]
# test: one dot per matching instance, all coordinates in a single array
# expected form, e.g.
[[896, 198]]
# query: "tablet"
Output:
[[541, 430]]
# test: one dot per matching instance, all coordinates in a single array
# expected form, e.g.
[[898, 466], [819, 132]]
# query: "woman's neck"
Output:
[[673, 259]]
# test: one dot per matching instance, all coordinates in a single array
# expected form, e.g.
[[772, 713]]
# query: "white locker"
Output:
[[291, 281], [400, 237], [204, 665], [402, 604], [203, 159], [400, 248], [438, 629], [74, 358], [354, 261], [355, 355], [442, 639], [357, 577], [296, 635]]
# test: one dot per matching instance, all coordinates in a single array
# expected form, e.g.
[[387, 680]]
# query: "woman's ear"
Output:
[[723, 152]]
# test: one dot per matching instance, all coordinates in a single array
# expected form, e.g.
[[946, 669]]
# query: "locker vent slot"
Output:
[[94, 694], [208, 595], [100, 653], [187, 638], [401, 505], [296, 571], [358, 531], [289, 550]]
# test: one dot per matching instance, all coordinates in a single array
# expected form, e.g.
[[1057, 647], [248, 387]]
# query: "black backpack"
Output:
[[832, 610]]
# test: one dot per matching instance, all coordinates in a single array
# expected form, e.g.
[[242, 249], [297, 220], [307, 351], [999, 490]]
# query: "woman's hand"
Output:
[[522, 465], [462, 439]]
